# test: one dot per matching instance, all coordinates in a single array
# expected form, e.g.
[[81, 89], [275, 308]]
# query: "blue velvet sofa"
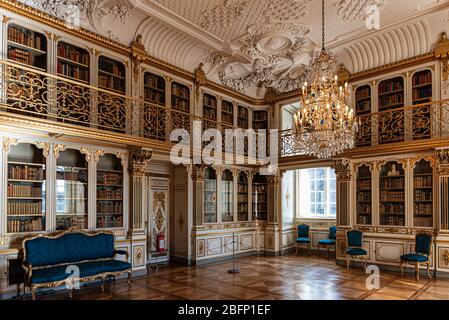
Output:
[[71, 257]]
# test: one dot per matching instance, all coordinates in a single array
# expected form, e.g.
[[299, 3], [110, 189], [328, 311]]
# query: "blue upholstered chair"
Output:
[[303, 238], [330, 242], [423, 250], [354, 250]]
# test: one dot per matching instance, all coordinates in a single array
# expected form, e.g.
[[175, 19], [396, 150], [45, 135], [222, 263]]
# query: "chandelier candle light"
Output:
[[325, 125]]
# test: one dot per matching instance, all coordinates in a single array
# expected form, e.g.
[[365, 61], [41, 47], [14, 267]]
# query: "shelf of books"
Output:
[[111, 75], [363, 109], [109, 192], [227, 196], [421, 94], [71, 190], [227, 113], [242, 197], [26, 189], [210, 196], [391, 96], [260, 121], [423, 194], [209, 107], [180, 97], [154, 92], [242, 117], [260, 198], [392, 195], [73, 62], [363, 194]]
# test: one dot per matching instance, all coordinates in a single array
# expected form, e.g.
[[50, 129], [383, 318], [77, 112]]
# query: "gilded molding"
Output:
[[138, 161], [342, 169], [6, 19], [8, 142], [45, 146], [92, 154], [123, 156], [198, 172], [58, 148], [4, 240]]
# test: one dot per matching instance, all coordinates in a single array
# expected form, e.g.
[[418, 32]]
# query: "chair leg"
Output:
[[401, 265], [417, 271], [102, 284], [428, 270], [130, 279], [318, 250], [348, 262], [33, 293]]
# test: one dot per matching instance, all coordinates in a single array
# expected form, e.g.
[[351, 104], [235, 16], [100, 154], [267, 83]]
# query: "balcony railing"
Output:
[[30, 92], [402, 125]]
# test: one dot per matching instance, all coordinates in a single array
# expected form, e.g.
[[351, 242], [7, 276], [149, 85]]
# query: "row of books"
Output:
[[25, 172], [364, 196], [260, 126], [182, 105], [210, 207], [421, 79], [109, 207], [242, 216], [392, 208], [17, 190], [73, 71], [423, 195], [209, 101], [423, 182], [242, 123], [111, 83], [27, 38], [180, 91], [392, 196], [260, 115], [364, 220], [363, 106], [363, 93], [363, 183], [155, 97], [111, 67], [242, 207], [108, 178], [422, 93], [243, 188], [64, 223], [154, 81], [260, 207], [242, 198], [80, 176], [227, 107], [73, 54], [395, 99], [109, 222], [392, 221], [423, 208], [242, 112], [24, 208], [363, 208], [423, 221], [227, 218], [260, 188], [389, 86], [107, 193], [21, 56], [24, 225], [227, 118], [391, 183], [209, 113]]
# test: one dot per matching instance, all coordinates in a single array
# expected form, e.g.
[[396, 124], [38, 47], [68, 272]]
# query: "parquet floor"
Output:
[[265, 278]]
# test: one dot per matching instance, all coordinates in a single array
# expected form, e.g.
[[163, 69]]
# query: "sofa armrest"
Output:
[[122, 252]]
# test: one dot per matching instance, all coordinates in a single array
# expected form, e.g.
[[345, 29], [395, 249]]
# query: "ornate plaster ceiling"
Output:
[[247, 36]]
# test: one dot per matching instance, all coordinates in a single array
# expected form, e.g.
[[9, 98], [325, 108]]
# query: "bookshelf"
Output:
[[227, 112], [109, 192], [421, 94], [26, 189], [111, 75], [260, 197], [227, 196], [27, 47], [363, 195], [209, 107], [423, 194], [180, 97], [242, 197], [242, 117], [391, 96], [363, 108], [71, 190], [392, 194], [154, 88], [260, 119], [210, 196], [73, 62]]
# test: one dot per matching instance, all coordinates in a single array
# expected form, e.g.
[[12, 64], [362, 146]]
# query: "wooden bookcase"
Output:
[[109, 192], [180, 97], [242, 197], [391, 97], [260, 198], [71, 190], [227, 113], [27, 47], [111, 75], [363, 196], [260, 119], [423, 194], [392, 194], [209, 107], [26, 190], [421, 94], [242, 117], [73, 62], [154, 88], [363, 109], [227, 196], [210, 196]]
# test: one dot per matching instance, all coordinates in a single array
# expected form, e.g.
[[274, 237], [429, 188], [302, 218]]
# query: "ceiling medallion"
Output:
[[324, 125], [359, 10]]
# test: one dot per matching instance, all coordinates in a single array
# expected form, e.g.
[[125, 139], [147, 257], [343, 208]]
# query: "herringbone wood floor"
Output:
[[265, 278]]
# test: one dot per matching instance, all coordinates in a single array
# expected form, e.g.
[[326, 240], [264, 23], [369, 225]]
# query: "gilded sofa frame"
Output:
[[70, 280], [417, 264]]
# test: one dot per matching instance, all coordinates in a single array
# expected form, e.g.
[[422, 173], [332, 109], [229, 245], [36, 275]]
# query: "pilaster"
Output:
[[273, 231]]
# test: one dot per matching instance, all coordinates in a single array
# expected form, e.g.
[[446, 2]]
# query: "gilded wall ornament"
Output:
[[8, 142], [58, 148], [159, 213], [45, 146]]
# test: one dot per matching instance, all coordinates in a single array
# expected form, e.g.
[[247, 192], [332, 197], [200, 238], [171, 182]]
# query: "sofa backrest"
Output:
[[68, 248]]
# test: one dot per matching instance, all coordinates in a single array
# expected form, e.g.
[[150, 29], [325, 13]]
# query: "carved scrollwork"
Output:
[[138, 161], [198, 171], [8, 142], [58, 148], [342, 168], [45, 146]]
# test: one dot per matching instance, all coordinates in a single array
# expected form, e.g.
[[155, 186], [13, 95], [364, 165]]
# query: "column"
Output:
[[138, 208], [273, 232]]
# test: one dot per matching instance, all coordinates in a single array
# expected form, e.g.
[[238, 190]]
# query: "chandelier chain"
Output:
[[323, 21]]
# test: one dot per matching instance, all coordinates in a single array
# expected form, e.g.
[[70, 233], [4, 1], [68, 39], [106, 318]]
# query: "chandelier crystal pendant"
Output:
[[325, 125]]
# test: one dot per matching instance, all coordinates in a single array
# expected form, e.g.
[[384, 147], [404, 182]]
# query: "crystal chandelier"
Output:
[[324, 125]]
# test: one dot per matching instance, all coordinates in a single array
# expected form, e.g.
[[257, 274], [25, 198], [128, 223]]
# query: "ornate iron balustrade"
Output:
[[407, 124], [33, 93]]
